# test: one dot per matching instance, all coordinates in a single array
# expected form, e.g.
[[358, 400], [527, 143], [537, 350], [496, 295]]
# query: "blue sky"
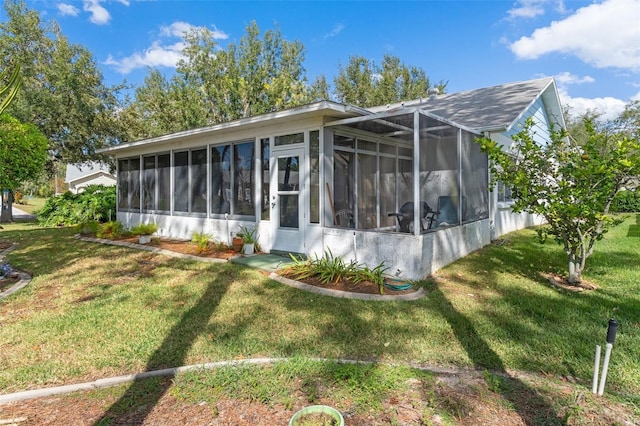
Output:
[[592, 48]]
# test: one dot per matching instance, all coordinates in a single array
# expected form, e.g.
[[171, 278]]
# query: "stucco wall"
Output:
[[506, 221], [405, 255]]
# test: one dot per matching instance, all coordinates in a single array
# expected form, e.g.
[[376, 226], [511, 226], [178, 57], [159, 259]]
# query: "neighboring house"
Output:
[[79, 176], [333, 176]]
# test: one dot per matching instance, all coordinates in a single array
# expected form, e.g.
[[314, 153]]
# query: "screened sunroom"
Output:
[[405, 188], [349, 185], [376, 158], [404, 185]]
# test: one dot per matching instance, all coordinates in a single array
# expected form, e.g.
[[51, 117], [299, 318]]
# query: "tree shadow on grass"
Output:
[[142, 395], [526, 401]]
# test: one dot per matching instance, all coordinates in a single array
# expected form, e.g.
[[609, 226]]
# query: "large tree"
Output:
[[363, 83], [260, 74], [23, 151], [569, 181], [62, 90]]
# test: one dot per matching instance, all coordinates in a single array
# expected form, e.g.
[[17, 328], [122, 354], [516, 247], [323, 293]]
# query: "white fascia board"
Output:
[[236, 124]]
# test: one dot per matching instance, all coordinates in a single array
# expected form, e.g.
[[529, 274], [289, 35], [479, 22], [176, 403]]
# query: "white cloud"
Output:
[[180, 28], [608, 107], [156, 55], [99, 15], [603, 35], [567, 78], [160, 53], [527, 9], [334, 31], [67, 9]]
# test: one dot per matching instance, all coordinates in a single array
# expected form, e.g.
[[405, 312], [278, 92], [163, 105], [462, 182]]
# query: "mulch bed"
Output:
[[187, 247]]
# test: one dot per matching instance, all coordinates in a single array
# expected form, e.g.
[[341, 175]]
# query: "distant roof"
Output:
[[80, 170], [489, 108]]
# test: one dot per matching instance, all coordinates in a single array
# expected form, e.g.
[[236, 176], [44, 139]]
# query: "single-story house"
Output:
[[81, 175], [330, 176]]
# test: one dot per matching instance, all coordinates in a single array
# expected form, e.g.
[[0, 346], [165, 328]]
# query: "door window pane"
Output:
[[289, 211], [199, 181], [181, 181], [288, 174]]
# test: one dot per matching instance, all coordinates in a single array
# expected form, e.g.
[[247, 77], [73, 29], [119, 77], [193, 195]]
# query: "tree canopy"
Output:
[[260, 74], [62, 89], [365, 84], [23, 152], [570, 181]]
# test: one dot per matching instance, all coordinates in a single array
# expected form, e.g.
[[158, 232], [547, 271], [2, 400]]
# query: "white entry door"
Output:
[[287, 200]]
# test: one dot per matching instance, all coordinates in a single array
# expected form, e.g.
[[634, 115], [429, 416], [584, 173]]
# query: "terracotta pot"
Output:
[[237, 243]]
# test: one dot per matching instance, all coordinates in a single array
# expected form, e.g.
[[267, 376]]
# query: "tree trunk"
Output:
[[575, 270], [6, 212]]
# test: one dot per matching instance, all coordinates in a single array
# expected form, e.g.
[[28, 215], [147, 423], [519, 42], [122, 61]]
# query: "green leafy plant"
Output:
[[110, 230], [569, 182], [97, 203], [248, 235], [144, 229], [201, 240], [626, 202], [331, 269], [375, 275]]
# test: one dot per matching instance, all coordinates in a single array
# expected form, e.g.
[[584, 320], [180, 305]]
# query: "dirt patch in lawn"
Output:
[[463, 398]]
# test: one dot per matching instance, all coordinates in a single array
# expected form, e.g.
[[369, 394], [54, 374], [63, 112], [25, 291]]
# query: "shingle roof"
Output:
[[495, 107]]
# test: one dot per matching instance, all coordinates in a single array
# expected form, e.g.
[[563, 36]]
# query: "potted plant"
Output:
[[249, 240], [144, 231], [317, 415]]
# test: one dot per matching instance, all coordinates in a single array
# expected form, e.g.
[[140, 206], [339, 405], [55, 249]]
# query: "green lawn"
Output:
[[94, 311], [32, 204]]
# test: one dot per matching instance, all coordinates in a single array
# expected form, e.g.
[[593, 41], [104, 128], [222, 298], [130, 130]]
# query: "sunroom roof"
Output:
[[489, 108]]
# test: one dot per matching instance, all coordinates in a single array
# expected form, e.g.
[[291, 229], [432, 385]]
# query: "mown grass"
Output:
[[32, 204], [93, 311]]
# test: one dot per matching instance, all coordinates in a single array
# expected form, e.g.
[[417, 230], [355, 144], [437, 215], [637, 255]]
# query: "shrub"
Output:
[[110, 230], [201, 240], [626, 202], [97, 203], [144, 229]]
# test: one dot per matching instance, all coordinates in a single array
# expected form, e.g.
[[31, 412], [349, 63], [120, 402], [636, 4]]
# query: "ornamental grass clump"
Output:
[[144, 229], [330, 269], [201, 240], [110, 230]]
